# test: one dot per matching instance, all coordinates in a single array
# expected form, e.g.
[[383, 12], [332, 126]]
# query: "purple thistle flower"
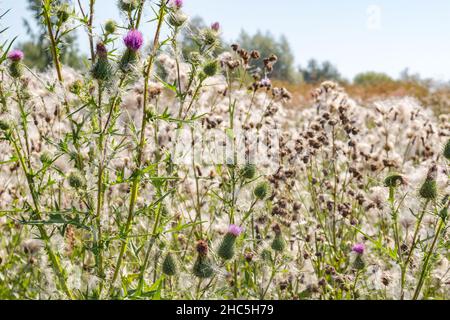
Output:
[[235, 230], [15, 55], [134, 40], [358, 248], [215, 26], [176, 3]]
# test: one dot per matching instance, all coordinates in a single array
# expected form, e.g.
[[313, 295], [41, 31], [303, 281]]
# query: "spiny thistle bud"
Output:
[[195, 58], [447, 150], [429, 188], [4, 125], [128, 5], [110, 26], [261, 190], [226, 249], [266, 255], [249, 171], [169, 266], [202, 267], [102, 69], [63, 14], [278, 243], [211, 68], [394, 180], [76, 180], [177, 19], [76, 87], [359, 263], [46, 157], [209, 37], [15, 67]]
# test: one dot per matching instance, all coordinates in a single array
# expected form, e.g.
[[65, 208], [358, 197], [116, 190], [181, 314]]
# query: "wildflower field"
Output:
[[155, 175]]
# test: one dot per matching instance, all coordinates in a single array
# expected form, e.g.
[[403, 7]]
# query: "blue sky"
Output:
[[356, 35]]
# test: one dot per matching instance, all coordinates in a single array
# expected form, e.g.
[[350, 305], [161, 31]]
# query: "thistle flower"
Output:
[[133, 40], [226, 249], [177, 4], [16, 55], [359, 248], [359, 263], [215, 26], [428, 190], [15, 67]]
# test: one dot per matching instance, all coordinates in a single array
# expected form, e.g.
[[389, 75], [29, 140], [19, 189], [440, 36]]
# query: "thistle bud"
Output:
[[128, 5], [4, 125], [63, 14], [209, 37], [202, 267], [76, 180], [178, 19], [169, 266], [261, 190], [394, 180], [447, 150], [76, 87], [46, 157], [211, 68], [226, 249], [249, 171], [428, 190], [110, 26], [102, 70], [278, 243]]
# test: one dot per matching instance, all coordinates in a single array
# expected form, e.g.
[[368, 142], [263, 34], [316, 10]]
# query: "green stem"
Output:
[[427, 260], [53, 46], [408, 259], [136, 180]]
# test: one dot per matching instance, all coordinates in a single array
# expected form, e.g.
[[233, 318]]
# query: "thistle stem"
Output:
[[136, 180]]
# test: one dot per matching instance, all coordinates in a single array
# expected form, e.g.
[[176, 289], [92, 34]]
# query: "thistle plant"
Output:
[[154, 175]]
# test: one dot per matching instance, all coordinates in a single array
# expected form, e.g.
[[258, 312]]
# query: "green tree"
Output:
[[372, 78], [316, 72], [37, 54], [267, 45]]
